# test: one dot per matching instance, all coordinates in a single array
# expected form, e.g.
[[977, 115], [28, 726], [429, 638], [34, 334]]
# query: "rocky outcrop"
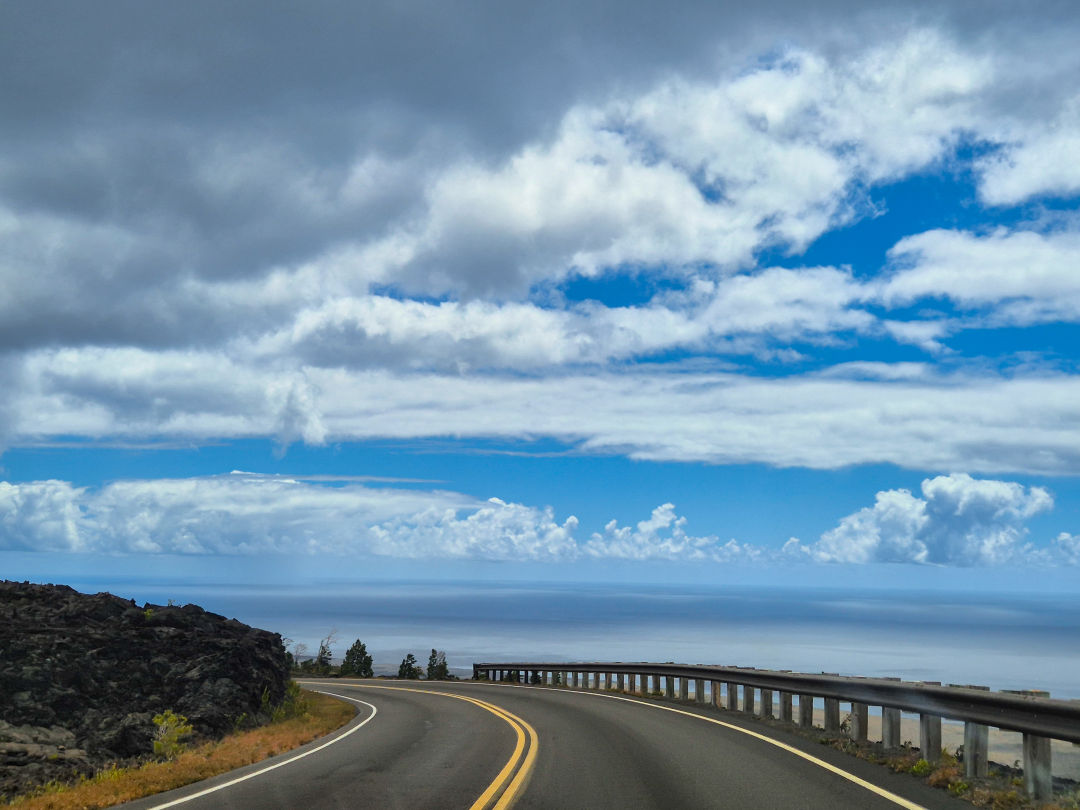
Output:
[[81, 677]]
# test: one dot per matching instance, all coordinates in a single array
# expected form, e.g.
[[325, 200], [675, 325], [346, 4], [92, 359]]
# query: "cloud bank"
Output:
[[959, 520]]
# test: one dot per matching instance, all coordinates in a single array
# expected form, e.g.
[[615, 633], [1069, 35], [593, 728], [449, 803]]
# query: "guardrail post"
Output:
[[930, 737], [976, 750], [631, 683], [785, 707], [860, 721], [669, 687], [714, 691], [806, 711], [766, 702], [620, 681], [832, 714], [748, 699], [607, 681], [684, 688], [1037, 779], [699, 690], [890, 727]]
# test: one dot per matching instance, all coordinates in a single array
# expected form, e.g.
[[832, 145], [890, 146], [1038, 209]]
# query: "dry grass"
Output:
[[115, 785]]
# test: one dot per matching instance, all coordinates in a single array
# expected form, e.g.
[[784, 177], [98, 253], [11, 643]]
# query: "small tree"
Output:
[[171, 731], [408, 669], [437, 670], [322, 660], [357, 661]]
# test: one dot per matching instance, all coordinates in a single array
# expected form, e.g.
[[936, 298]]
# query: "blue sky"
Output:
[[486, 292]]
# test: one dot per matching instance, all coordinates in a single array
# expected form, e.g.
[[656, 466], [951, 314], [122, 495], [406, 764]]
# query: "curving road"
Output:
[[473, 746]]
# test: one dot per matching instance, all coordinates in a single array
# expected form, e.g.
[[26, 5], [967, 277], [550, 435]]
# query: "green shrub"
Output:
[[294, 704], [922, 768], [172, 730], [959, 787]]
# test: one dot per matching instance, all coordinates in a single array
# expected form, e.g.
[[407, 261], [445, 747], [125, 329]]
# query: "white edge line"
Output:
[[308, 753]]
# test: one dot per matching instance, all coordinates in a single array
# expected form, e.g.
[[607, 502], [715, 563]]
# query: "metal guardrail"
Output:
[[1038, 717]]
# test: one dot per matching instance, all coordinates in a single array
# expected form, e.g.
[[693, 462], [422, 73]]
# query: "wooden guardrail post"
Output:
[[607, 681], [786, 706], [684, 688], [732, 696], [766, 702], [699, 690], [832, 714], [930, 737], [806, 711], [748, 699], [976, 745], [1038, 781], [860, 721], [930, 733], [714, 692], [890, 727]]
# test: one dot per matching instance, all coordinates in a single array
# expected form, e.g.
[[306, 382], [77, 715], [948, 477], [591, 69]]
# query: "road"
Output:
[[473, 746]]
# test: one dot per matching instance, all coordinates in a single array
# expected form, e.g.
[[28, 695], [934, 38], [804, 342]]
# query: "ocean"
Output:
[[1004, 641]]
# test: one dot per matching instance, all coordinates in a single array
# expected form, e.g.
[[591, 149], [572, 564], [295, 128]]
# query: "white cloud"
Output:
[[1040, 159], [663, 537], [1067, 547], [40, 516], [494, 531], [985, 424], [695, 172], [1020, 277], [764, 308], [958, 521]]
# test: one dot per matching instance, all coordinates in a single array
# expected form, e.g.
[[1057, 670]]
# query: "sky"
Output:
[[562, 291]]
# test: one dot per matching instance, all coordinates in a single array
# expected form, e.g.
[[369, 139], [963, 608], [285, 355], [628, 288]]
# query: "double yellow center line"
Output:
[[510, 781]]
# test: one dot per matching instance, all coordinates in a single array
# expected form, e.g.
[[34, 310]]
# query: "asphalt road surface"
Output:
[[473, 746]]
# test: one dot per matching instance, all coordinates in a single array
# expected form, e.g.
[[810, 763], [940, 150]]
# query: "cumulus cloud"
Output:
[[41, 516], [494, 531], [959, 520], [663, 536]]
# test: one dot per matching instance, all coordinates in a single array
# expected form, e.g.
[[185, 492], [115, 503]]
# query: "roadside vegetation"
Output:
[[1001, 789], [299, 719], [357, 663]]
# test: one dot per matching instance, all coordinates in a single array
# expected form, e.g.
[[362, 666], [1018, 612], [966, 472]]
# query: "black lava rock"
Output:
[[93, 670]]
